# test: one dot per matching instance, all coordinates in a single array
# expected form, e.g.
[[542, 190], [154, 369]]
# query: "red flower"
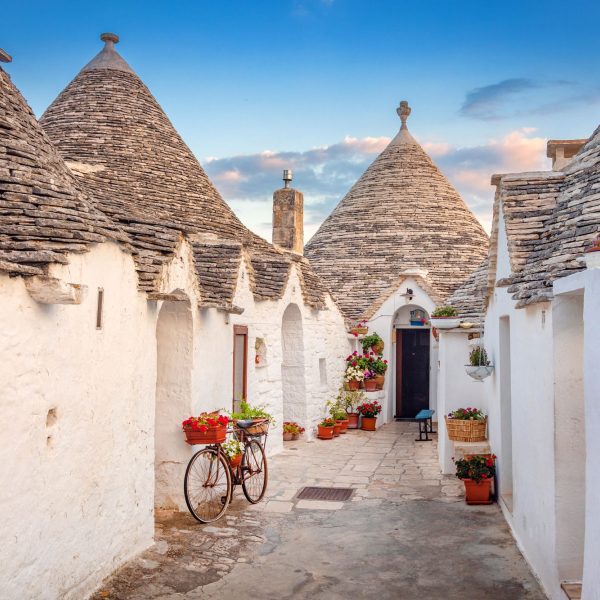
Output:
[[489, 462], [483, 476]]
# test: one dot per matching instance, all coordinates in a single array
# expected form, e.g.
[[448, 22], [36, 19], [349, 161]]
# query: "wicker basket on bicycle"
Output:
[[252, 428]]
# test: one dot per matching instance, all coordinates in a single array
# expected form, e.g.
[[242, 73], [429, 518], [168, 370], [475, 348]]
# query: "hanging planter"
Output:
[[480, 367], [359, 329], [444, 317]]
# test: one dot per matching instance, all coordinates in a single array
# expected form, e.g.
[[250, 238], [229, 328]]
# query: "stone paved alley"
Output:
[[406, 533]]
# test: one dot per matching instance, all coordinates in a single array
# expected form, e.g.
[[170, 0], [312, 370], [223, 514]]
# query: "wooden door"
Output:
[[240, 365], [412, 371]]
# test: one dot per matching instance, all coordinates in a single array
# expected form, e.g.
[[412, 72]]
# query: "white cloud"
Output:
[[326, 174]]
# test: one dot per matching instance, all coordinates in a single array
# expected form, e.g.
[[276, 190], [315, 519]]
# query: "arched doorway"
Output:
[[412, 340], [292, 366], [174, 338]]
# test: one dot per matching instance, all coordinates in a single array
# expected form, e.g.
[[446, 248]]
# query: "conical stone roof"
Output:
[[44, 215], [115, 136], [401, 214]]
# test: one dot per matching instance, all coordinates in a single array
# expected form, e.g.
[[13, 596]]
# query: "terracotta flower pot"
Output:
[[288, 436], [370, 385], [478, 492], [324, 433], [353, 385], [295, 436], [380, 381], [369, 423], [236, 461], [353, 420], [378, 348], [343, 423], [214, 435], [336, 429]]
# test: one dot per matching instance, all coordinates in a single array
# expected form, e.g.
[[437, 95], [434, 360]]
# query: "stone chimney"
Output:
[[288, 217], [562, 151]]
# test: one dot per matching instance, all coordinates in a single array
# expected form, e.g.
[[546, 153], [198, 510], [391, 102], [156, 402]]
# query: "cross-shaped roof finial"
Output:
[[403, 112]]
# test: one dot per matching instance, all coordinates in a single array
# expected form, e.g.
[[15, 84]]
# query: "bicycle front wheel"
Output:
[[207, 485], [254, 472]]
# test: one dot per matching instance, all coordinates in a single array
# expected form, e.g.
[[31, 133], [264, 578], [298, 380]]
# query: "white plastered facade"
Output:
[[544, 421], [93, 416]]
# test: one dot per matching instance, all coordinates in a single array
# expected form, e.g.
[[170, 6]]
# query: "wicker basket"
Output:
[[470, 430]]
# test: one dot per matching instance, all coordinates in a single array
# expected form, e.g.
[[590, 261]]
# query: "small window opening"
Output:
[[51, 417], [99, 308], [323, 370]]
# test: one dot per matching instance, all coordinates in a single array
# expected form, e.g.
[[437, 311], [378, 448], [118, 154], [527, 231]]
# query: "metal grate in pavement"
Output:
[[325, 493]]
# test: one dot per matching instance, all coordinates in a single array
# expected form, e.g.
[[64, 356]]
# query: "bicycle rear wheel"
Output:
[[254, 472], [207, 485]]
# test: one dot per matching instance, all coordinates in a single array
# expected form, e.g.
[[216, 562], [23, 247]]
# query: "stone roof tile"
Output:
[[401, 213]]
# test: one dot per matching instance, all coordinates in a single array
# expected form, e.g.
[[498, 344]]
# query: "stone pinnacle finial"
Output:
[[287, 177], [109, 37], [403, 111], [5, 56]]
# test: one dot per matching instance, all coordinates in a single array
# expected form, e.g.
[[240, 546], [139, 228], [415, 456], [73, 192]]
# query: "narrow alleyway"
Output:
[[405, 534]]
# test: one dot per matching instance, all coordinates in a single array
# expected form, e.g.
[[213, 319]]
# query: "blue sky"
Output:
[[313, 84]]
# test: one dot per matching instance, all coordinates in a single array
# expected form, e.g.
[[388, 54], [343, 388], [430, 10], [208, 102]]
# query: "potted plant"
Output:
[[206, 428], [592, 255], [444, 317], [480, 366], [374, 343], [466, 425], [325, 429], [257, 414], [338, 414], [348, 401], [234, 451], [296, 434], [369, 412], [370, 381], [379, 367], [477, 473], [360, 329], [353, 377]]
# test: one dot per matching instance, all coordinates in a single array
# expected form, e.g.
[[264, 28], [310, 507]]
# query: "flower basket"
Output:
[[236, 461], [213, 435], [356, 331], [466, 430], [479, 372]]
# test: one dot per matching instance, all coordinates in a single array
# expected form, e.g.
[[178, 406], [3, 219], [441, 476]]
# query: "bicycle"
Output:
[[210, 480]]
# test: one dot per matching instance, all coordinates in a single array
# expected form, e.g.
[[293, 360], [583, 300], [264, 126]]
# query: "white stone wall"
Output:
[[85, 428], [554, 433], [388, 317], [76, 455]]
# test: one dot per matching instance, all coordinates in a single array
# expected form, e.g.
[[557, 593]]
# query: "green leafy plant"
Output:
[[477, 467], [328, 422], [372, 340], [379, 366], [444, 311], [478, 357], [347, 400], [467, 414], [251, 412]]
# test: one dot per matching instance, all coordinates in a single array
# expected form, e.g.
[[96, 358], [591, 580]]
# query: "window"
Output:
[[240, 365], [99, 308]]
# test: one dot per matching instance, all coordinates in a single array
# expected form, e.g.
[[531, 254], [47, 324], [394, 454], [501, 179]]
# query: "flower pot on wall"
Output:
[[444, 322], [478, 492], [353, 420], [466, 430], [352, 386], [370, 385], [369, 423], [380, 381], [324, 433]]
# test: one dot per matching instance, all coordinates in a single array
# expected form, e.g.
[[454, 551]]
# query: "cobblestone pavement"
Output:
[[405, 533]]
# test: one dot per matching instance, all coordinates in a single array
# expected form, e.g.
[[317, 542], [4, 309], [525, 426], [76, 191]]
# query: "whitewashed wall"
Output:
[[76, 455], [384, 322]]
